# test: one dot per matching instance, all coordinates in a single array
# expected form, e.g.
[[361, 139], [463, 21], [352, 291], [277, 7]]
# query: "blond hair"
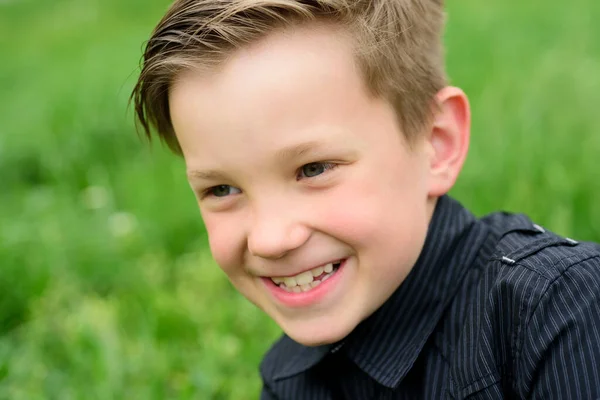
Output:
[[398, 49]]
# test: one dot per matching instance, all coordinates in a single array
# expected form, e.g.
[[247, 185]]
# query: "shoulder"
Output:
[[528, 260], [533, 282], [521, 243], [557, 353]]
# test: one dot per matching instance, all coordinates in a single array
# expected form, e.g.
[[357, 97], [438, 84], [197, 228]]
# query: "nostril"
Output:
[[273, 239]]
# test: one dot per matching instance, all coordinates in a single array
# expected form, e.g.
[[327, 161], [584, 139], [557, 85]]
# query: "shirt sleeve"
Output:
[[560, 356]]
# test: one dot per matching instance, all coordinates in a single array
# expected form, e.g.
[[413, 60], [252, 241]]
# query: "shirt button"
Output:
[[539, 228]]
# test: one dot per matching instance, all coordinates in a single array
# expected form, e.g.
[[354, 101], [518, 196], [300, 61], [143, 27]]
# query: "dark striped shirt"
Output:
[[494, 308]]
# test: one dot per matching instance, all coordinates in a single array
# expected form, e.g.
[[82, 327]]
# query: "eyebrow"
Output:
[[285, 154], [297, 151], [208, 175]]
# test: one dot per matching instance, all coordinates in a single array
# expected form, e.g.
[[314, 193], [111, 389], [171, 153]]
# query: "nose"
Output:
[[276, 232]]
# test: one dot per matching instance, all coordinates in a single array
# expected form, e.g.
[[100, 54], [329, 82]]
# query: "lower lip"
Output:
[[303, 299]]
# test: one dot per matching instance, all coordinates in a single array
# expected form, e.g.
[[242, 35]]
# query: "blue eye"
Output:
[[314, 169], [222, 190]]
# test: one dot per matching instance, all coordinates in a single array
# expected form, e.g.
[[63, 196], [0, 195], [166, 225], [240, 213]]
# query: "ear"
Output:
[[449, 139]]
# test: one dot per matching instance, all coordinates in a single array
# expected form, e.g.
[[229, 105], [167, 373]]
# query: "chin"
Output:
[[319, 334]]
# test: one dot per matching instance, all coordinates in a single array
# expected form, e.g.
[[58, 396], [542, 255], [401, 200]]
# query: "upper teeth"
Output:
[[304, 278]]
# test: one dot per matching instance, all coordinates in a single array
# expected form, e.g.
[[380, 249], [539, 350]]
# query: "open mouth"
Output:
[[307, 280]]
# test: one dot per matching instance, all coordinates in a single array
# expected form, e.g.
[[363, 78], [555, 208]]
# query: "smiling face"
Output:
[[297, 168]]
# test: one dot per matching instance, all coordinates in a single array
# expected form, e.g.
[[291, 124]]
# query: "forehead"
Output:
[[301, 83]]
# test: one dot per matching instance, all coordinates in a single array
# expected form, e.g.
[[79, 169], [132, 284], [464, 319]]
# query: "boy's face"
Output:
[[296, 167]]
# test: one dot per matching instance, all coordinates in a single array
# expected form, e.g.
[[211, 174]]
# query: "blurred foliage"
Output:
[[107, 289]]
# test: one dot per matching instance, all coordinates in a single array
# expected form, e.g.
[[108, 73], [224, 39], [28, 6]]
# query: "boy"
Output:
[[320, 139]]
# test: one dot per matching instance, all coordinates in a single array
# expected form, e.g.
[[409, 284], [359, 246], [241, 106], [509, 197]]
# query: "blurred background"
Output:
[[107, 289]]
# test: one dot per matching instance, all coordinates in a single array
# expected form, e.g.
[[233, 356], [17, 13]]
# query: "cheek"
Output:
[[350, 213], [224, 241], [376, 214]]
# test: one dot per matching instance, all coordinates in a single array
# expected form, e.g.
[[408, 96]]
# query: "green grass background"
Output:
[[107, 290]]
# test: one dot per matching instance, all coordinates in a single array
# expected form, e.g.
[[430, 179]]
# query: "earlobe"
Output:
[[449, 139]]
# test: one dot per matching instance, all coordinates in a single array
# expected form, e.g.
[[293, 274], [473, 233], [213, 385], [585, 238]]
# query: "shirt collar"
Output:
[[398, 330], [387, 344]]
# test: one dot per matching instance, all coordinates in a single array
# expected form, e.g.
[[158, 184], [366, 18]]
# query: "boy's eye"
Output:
[[314, 169], [222, 191]]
